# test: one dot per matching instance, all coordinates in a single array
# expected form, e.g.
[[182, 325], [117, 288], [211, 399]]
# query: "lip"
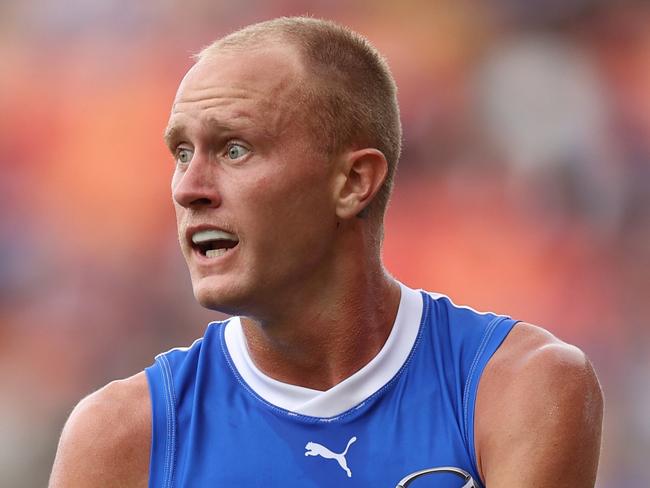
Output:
[[196, 253], [191, 230]]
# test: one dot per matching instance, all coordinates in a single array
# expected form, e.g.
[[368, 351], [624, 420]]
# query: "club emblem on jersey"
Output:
[[467, 478], [315, 449]]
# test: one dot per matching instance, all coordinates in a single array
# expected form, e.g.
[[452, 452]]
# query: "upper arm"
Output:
[[538, 414], [106, 440]]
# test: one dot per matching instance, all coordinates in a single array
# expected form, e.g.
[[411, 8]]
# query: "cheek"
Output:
[[293, 223], [179, 211], [284, 211], [292, 203]]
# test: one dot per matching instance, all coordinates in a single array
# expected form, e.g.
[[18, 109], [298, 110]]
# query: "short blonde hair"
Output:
[[349, 92]]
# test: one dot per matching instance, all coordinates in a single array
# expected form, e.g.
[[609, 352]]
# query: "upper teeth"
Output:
[[211, 235]]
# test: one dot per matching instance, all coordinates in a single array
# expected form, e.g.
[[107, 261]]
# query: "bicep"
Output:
[[540, 415], [106, 440], [74, 463]]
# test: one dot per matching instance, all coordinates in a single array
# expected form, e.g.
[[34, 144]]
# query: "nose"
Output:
[[196, 185]]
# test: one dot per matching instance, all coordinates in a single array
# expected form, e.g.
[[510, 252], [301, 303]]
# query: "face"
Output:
[[253, 193]]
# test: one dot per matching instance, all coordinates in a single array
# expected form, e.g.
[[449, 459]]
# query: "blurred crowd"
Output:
[[524, 188]]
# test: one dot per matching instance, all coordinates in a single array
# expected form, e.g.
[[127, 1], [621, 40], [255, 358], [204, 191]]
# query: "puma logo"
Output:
[[315, 449]]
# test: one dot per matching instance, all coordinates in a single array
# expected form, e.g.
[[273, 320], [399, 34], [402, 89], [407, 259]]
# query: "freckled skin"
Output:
[[278, 190], [307, 275], [538, 414]]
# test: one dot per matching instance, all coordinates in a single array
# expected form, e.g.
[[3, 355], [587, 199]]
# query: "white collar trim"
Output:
[[349, 393]]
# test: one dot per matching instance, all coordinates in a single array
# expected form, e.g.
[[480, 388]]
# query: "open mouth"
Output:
[[213, 243]]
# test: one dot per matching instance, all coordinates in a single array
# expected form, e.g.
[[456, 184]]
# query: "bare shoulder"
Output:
[[538, 413], [106, 441]]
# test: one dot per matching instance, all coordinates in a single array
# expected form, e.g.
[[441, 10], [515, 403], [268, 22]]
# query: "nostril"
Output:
[[201, 202]]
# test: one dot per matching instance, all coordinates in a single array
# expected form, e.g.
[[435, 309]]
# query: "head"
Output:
[[348, 91], [286, 136]]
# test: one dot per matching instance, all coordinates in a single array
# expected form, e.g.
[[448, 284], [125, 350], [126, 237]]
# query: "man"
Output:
[[286, 136]]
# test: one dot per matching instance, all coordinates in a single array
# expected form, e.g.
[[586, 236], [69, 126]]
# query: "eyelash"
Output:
[[178, 152], [229, 145]]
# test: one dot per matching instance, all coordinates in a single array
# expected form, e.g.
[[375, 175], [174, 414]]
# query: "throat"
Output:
[[318, 345], [319, 354]]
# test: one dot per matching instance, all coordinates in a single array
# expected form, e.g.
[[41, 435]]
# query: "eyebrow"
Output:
[[172, 134], [176, 132]]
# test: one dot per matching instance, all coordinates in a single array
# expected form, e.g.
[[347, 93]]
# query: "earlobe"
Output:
[[363, 173]]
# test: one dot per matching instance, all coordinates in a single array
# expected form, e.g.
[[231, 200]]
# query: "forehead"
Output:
[[270, 66], [226, 82]]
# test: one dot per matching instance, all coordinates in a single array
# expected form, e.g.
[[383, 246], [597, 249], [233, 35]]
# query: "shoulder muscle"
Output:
[[106, 440], [538, 414]]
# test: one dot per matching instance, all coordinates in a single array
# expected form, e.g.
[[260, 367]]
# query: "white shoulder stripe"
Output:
[[438, 296], [187, 348]]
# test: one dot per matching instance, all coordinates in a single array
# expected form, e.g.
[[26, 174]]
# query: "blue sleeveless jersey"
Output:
[[213, 427]]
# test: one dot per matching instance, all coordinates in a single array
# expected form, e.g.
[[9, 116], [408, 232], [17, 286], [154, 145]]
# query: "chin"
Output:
[[215, 296]]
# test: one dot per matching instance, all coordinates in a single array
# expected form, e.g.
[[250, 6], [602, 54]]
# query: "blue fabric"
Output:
[[211, 430]]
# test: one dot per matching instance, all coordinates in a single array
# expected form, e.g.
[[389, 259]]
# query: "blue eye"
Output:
[[236, 151], [184, 155]]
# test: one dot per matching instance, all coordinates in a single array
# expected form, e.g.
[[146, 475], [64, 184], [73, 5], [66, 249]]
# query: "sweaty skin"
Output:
[[301, 253], [307, 274], [539, 412], [538, 422]]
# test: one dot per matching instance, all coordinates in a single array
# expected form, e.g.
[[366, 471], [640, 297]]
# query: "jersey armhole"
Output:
[[494, 335], [163, 423]]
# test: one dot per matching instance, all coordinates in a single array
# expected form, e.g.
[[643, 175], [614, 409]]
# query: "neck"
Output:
[[326, 332]]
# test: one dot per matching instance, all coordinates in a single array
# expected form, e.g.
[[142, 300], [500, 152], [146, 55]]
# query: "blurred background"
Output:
[[524, 188]]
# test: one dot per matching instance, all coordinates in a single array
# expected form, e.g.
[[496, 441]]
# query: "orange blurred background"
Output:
[[524, 188]]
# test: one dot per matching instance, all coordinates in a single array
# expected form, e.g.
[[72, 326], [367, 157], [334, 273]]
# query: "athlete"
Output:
[[286, 136]]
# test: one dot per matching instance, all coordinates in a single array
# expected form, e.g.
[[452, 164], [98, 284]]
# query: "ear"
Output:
[[362, 173]]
